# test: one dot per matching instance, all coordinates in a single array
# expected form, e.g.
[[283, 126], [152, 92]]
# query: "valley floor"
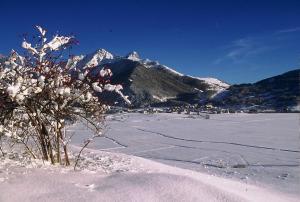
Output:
[[229, 157], [255, 148]]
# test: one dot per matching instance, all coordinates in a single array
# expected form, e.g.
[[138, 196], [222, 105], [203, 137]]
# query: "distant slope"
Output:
[[278, 92]]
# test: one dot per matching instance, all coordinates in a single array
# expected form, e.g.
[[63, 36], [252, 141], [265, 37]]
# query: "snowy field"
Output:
[[262, 149], [229, 157]]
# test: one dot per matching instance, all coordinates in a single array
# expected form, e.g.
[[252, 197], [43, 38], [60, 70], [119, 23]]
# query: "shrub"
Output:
[[43, 90]]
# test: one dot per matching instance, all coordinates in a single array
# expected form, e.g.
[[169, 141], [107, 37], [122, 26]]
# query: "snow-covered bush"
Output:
[[40, 92]]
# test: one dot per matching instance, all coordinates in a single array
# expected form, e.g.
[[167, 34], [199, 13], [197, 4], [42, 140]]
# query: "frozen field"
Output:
[[256, 155], [261, 149]]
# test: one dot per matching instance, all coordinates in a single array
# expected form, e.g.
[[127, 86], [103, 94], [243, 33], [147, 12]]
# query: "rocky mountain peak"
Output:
[[133, 56]]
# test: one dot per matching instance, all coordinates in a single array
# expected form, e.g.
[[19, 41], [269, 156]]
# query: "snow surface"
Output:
[[214, 84], [127, 178], [155, 64], [172, 70], [261, 150]]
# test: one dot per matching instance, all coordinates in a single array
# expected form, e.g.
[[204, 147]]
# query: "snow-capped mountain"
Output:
[[134, 56], [148, 82], [101, 57], [96, 58]]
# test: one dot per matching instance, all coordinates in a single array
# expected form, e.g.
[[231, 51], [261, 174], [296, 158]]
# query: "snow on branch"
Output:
[[39, 51], [57, 43]]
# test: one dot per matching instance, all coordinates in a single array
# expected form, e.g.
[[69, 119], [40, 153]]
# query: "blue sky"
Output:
[[236, 41]]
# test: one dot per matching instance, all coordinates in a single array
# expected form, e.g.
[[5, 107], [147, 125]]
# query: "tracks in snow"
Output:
[[217, 142], [115, 141]]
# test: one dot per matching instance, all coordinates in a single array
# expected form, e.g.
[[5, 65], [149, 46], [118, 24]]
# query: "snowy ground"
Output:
[[259, 153], [262, 149], [117, 177]]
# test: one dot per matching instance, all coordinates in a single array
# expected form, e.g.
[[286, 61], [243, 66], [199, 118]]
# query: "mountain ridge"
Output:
[[149, 83]]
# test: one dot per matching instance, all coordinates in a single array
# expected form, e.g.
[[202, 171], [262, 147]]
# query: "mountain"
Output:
[[133, 56], [148, 83], [96, 58], [279, 93]]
